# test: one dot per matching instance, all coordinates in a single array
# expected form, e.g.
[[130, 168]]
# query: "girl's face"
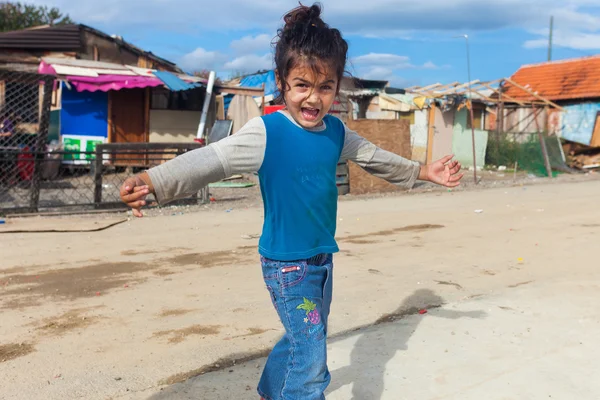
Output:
[[309, 96]]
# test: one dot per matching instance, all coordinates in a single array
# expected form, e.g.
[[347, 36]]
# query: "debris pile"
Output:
[[581, 156]]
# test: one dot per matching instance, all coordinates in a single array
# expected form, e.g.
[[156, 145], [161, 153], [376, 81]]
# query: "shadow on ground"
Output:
[[375, 347]]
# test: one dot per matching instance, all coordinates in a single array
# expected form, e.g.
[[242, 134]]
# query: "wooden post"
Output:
[[220, 107], [263, 99], [542, 144], [98, 177], [109, 133], [473, 139], [350, 110], [430, 132], [147, 95], [499, 116]]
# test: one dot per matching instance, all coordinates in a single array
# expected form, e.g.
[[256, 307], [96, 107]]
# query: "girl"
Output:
[[295, 153]]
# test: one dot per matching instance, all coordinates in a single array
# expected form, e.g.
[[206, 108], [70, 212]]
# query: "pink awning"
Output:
[[105, 83], [83, 76]]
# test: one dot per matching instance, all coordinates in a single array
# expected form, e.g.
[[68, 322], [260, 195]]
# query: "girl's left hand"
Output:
[[444, 172]]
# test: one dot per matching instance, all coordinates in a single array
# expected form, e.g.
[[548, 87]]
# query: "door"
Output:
[[128, 122], [443, 133], [595, 141]]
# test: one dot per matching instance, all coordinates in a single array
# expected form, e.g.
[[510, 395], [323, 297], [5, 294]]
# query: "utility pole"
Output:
[[470, 100], [550, 38]]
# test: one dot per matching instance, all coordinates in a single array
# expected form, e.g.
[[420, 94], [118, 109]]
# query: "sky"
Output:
[[405, 42]]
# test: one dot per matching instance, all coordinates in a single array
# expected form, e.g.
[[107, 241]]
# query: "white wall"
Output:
[[419, 134], [173, 126]]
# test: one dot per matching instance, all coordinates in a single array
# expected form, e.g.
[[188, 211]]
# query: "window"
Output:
[[408, 115], [477, 118], [189, 100]]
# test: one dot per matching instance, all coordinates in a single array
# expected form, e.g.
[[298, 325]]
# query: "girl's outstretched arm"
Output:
[[396, 169], [183, 176]]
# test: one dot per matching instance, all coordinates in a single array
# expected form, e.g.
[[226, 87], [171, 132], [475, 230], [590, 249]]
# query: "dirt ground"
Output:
[[126, 311]]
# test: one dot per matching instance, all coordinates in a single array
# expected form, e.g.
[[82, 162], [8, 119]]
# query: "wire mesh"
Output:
[[25, 101], [524, 151], [36, 175]]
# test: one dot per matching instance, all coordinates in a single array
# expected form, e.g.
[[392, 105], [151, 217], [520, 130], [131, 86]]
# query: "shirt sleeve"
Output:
[[378, 162], [185, 175]]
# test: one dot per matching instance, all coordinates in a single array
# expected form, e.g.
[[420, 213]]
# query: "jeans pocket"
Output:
[[292, 273]]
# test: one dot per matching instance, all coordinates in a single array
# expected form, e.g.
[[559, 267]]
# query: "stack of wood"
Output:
[[581, 156]]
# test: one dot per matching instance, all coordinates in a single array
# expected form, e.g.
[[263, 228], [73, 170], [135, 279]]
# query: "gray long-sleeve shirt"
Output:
[[244, 153]]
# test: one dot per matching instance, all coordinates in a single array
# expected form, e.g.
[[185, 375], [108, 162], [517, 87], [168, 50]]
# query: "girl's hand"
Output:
[[443, 172], [134, 191]]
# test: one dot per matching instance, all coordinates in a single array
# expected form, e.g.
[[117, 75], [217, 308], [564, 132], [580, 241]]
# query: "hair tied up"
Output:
[[305, 39], [303, 15]]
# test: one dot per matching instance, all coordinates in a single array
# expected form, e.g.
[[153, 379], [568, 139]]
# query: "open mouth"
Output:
[[310, 114]]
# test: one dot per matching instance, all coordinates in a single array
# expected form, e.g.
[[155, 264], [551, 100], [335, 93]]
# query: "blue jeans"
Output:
[[301, 293]]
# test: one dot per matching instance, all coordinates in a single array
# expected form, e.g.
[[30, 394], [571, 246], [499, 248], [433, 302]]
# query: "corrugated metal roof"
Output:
[[391, 103], [558, 80], [62, 66], [360, 92], [85, 63], [58, 37], [66, 38], [77, 71], [173, 82]]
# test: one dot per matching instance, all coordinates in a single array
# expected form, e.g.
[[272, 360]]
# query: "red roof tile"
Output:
[[558, 80]]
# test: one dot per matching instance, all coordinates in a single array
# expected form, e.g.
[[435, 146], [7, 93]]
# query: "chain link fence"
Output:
[[525, 152], [113, 163], [37, 175], [521, 140], [25, 101]]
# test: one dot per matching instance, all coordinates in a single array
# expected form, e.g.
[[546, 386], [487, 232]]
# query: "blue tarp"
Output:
[[173, 82], [578, 122], [257, 80], [84, 113]]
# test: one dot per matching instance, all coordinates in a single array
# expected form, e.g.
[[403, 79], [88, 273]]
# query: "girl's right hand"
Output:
[[133, 193]]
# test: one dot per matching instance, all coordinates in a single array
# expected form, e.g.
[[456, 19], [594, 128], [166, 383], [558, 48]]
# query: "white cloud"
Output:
[[385, 66], [378, 73], [380, 59], [378, 63], [376, 18], [249, 63], [387, 74], [572, 40], [252, 44], [201, 59], [349, 15]]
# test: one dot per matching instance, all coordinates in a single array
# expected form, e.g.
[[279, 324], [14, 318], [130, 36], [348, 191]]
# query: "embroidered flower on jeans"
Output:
[[311, 311]]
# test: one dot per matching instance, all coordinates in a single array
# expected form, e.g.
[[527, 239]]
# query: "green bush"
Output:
[[507, 151]]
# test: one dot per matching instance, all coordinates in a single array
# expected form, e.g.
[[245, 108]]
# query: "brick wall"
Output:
[[391, 135]]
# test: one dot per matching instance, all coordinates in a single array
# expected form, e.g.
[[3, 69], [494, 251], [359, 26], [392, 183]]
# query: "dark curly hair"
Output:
[[306, 39]]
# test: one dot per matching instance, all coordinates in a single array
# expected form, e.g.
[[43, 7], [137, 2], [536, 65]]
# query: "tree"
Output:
[[16, 16]]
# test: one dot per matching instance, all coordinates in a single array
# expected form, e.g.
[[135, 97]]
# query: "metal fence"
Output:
[[521, 140], [36, 175], [79, 181], [25, 101], [113, 163]]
